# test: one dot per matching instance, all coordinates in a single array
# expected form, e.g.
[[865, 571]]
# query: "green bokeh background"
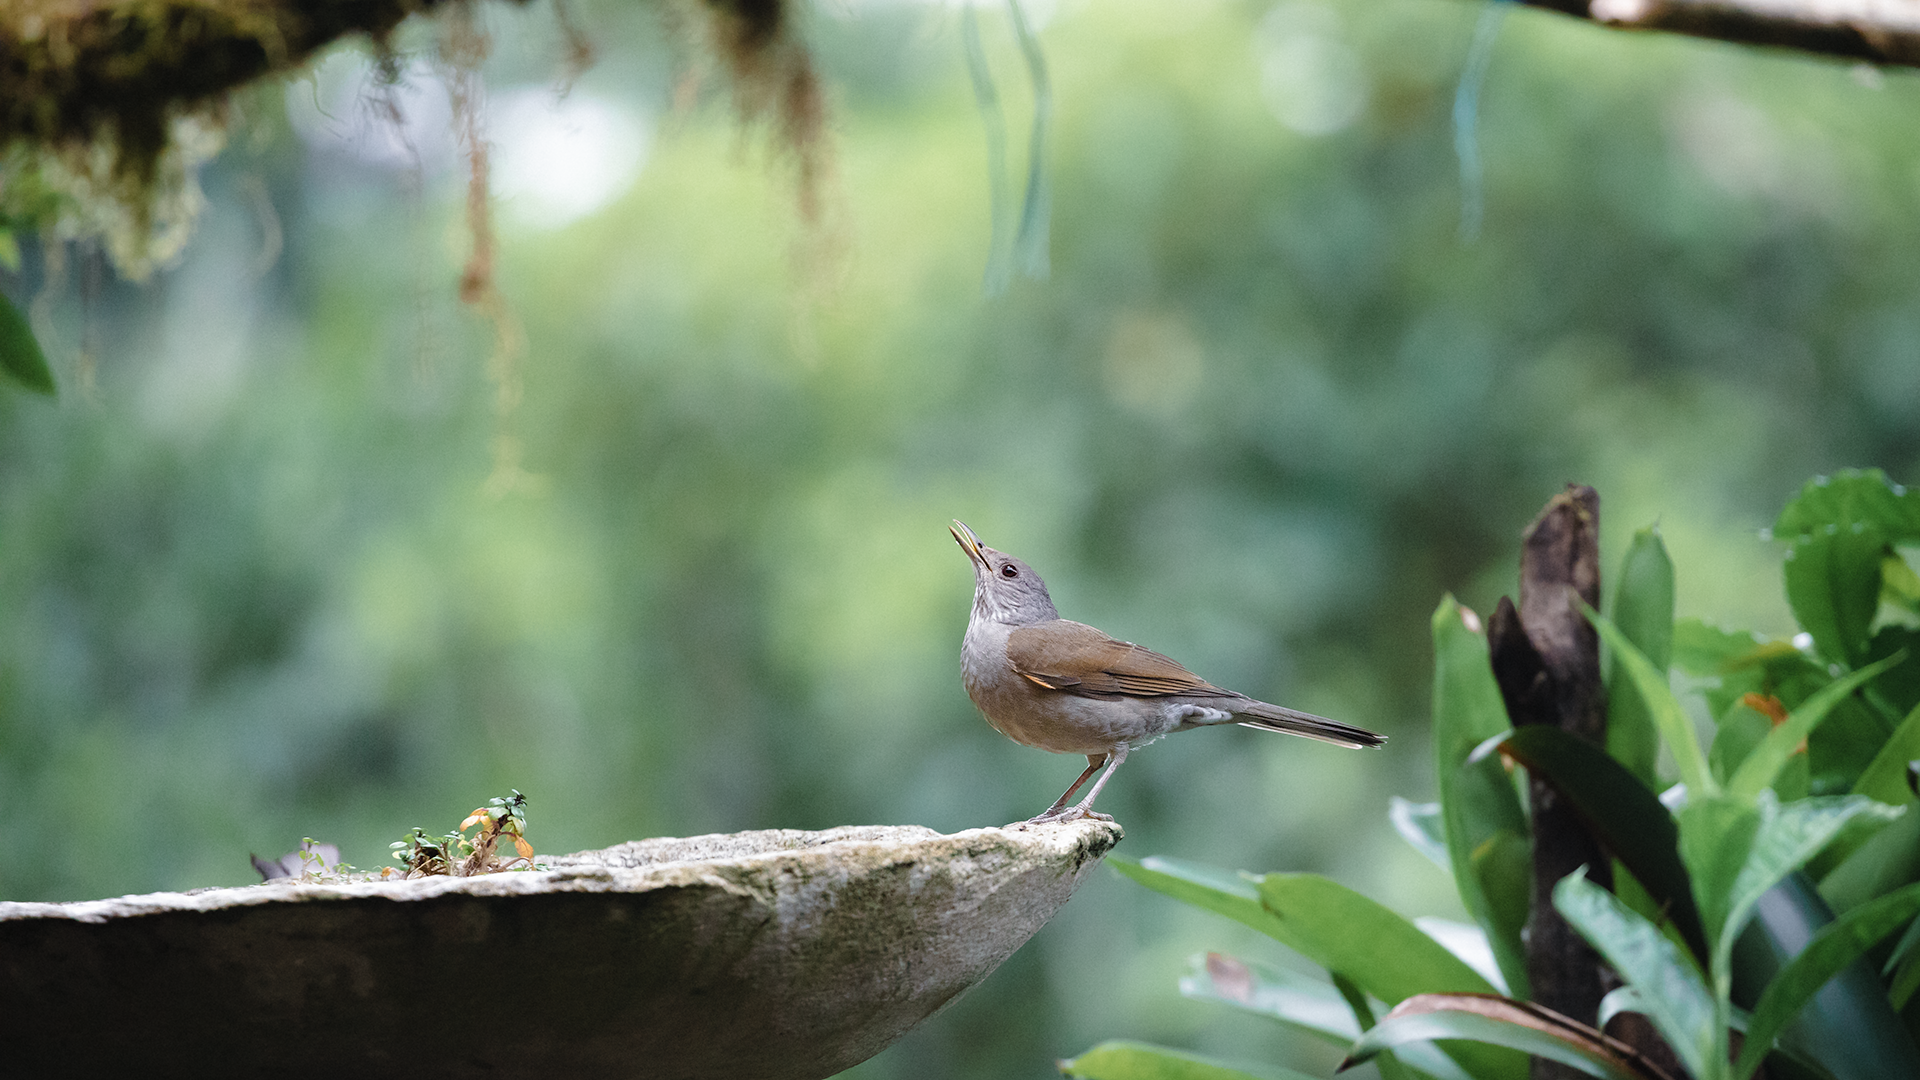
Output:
[[1268, 407]]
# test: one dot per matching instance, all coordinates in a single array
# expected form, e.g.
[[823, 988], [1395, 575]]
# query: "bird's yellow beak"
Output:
[[969, 543]]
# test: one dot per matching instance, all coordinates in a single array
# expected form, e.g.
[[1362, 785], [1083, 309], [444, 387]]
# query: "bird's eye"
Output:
[[1009, 570]]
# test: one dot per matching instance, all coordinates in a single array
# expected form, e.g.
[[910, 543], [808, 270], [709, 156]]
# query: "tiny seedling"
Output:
[[459, 855]]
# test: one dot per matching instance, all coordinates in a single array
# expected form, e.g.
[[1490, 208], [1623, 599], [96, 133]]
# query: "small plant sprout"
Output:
[[501, 817], [459, 855], [312, 861], [423, 855]]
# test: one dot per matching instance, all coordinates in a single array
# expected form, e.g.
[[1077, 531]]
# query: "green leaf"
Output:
[[1388, 1066], [1898, 583], [1903, 967], [1908, 947], [1833, 586], [1618, 1000], [1668, 716], [1382, 953], [1643, 610], [1885, 777], [20, 357], [1788, 835], [1716, 836], [1905, 982], [1887, 860], [1498, 1021], [1833, 948], [1120, 1060], [1669, 986], [1479, 806], [1299, 1001], [1503, 865], [1344, 931], [1898, 691], [1623, 815], [9, 251], [1842, 747], [1737, 733], [1222, 892], [1420, 826], [1701, 649], [1774, 668], [1848, 496], [1765, 762]]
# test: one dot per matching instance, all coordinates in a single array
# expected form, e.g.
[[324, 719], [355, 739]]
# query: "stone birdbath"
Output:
[[778, 954]]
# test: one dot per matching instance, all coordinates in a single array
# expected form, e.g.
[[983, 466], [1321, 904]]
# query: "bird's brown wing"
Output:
[[1078, 659]]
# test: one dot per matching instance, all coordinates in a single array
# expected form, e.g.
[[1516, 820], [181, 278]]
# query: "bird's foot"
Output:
[[1067, 813]]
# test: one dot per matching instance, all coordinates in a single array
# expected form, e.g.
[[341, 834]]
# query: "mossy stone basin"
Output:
[[777, 954]]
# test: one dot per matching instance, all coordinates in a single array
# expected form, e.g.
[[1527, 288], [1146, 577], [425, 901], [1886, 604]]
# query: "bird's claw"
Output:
[[1071, 813]]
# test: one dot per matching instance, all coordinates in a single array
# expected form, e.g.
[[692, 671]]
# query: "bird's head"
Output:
[[1005, 589]]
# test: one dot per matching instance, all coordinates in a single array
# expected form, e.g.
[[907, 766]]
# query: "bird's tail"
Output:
[[1267, 717]]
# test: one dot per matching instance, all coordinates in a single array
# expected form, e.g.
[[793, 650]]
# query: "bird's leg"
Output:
[[1084, 808], [1094, 761]]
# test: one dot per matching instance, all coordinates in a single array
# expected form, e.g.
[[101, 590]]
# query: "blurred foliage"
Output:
[[1705, 910], [1268, 406]]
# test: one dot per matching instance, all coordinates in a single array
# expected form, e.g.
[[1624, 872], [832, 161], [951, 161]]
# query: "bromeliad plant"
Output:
[[1797, 802]]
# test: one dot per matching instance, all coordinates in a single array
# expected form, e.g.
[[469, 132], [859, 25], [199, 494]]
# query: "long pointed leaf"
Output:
[[1883, 862], [1222, 892], [1344, 931], [1716, 836], [1668, 716], [1299, 1001], [1670, 987], [1388, 1065], [1643, 610], [1120, 1060], [20, 357], [1336, 928], [1420, 826], [1764, 763], [1382, 953], [1623, 815], [1618, 1000], [1466, 941], [1788, 836], [1485, 827], [1837, 945], [1848, 1030], [1885, 777], [1517, 1025], [1908, 947]]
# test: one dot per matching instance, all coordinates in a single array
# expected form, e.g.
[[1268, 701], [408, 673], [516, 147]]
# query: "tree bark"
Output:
[[1546, 658], [1876, 31]]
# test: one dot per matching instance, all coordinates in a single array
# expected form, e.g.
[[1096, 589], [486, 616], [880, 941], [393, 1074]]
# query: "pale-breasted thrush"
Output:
[[1064, 686]]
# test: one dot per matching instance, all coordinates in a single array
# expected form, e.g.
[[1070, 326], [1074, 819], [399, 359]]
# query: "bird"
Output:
[[1060, 685]]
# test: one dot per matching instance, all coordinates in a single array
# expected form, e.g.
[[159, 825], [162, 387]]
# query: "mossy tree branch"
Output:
[[74, 72], [93, 92], [1876, 31]]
